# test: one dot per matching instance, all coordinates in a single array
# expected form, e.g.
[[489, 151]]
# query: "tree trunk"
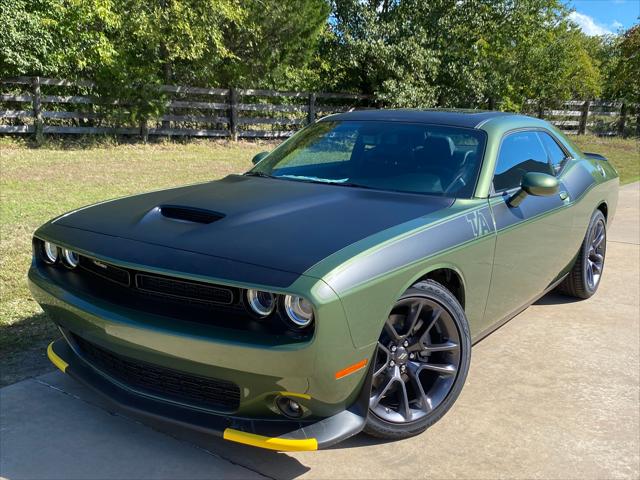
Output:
[[311, 115], [584, 117], [622, 120], [167, 74]]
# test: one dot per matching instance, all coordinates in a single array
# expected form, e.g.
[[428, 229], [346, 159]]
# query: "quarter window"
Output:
[[520, 153], [557, 156]]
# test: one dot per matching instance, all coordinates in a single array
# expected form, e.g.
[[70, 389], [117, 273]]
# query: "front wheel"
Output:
[[421, 362]]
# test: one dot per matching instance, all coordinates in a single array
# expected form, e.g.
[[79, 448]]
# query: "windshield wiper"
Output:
[[304, 178], [342, 182], [356, 185], [258, 174]]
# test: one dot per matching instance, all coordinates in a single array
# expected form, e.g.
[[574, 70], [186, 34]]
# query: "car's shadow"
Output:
[[554, 298]]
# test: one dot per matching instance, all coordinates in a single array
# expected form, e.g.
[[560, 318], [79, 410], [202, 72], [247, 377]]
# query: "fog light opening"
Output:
[[288, 407]]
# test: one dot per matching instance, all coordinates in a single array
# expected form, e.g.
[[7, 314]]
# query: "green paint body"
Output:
[[502, 268]]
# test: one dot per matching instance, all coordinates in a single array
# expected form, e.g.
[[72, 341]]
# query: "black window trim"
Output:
[[493, 193], [567, 155]]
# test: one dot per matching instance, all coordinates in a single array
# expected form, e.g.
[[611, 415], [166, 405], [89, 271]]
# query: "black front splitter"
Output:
[[282, 435]]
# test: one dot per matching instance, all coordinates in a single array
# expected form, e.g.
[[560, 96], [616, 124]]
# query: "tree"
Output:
[[29, 40], [415, 53], [272, 46], [459, 53], [624, 78]]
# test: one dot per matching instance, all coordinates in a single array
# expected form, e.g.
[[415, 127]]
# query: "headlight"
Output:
[[49, 252], [298, 310], [261, 303], [71, 259]]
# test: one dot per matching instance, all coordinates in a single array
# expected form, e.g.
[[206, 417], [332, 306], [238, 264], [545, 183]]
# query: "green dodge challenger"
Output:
[[336, 287]]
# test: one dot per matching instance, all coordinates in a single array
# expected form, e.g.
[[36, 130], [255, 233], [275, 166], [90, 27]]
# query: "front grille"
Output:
[[106, 270], [163, 382], [171, 288], [172, 300], [183, 289]]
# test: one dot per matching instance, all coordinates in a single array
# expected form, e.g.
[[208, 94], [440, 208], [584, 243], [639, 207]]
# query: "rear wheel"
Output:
[[584, 278], [421, 362]]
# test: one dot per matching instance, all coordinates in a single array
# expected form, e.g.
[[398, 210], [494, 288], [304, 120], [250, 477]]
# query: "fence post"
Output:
[[622, 120], [233, 114], [540, 112], [37, 110], [144, 130], [582, 127], [311, 114]]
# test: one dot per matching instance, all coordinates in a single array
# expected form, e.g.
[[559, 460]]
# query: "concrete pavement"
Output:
[[552, 394]]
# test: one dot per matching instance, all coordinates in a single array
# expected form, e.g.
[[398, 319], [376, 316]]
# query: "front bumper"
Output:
[[336, 406], [270, 434]]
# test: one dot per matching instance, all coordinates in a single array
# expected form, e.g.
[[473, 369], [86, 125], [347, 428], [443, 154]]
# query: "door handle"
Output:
[[564, 196]]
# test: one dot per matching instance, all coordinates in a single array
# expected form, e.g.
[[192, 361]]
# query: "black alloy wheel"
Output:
[[585, 276], [421, 362]]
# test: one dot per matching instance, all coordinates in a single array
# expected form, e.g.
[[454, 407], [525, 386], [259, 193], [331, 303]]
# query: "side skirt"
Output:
[[518, 311]]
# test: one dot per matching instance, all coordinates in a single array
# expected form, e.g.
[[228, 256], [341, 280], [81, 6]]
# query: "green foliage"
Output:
[[29, 41], [460, 53], [273, 43], [414, 53], [624, 76]]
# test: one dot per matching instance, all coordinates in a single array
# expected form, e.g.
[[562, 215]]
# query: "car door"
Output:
[[531, 242]]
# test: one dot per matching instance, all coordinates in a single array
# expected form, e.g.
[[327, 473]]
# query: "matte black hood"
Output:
[[287, 225]]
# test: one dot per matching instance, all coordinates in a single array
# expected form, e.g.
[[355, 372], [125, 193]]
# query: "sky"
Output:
[[601, 17]]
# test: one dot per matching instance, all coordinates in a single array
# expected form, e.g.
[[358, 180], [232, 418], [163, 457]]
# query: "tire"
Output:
[[584, 278], [437, 336]]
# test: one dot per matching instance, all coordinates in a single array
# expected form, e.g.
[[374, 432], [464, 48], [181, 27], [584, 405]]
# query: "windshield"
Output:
[[404, 157]]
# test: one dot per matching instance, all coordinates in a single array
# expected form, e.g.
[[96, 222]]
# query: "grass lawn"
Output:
[[624, 153], [38, 184]]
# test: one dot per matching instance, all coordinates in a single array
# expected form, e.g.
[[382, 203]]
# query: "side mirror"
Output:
[[535, 183], [258, 157]]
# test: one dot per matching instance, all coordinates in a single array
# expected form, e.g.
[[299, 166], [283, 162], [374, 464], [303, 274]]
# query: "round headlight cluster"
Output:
[[49, 252], [52, 252], [261, 303], [299, 312], [70, 258]]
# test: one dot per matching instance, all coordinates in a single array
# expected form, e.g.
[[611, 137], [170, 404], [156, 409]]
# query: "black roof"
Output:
[[454, 118]]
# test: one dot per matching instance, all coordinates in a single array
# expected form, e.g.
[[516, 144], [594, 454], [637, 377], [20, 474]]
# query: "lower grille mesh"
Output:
[[164, 382]]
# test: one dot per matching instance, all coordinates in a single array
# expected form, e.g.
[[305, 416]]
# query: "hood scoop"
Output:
[[190, 214]]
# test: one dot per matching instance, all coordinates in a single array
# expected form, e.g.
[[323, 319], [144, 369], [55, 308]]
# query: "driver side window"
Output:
[[520, 153]]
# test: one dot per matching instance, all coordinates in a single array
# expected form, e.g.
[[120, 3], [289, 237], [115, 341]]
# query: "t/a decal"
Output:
[[478, 223]]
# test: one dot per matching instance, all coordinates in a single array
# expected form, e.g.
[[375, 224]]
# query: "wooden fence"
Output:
[[54, 106], [590, 116]]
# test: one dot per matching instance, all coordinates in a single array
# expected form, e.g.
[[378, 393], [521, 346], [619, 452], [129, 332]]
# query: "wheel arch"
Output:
[[449, 276], [602, 206]]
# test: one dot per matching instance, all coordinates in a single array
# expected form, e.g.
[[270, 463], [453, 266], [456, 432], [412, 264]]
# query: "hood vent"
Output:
[[190, 214]]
